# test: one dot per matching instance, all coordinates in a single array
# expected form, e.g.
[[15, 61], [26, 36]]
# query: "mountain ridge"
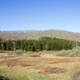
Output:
[[35, 34]]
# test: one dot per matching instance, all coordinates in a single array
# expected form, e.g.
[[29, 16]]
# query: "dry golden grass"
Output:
[[55, 67]]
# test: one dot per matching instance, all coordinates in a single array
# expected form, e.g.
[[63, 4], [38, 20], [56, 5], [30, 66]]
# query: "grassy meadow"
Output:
[[40, 66]]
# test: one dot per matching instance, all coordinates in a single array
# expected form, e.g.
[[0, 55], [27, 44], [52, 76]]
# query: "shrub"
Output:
[[72, 53], [4, 78]]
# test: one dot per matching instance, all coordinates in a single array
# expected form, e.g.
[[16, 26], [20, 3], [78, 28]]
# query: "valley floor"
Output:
[[43, 67]]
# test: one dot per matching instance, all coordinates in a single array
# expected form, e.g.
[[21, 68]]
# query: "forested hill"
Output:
[[19, 35]]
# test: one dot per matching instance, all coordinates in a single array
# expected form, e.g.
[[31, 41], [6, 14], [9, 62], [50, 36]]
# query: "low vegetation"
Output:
[[39, 68], [40, 59], [71, 53]]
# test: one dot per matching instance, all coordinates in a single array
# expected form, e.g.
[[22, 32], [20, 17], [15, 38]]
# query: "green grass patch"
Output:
[[22, 74], [71, 53]]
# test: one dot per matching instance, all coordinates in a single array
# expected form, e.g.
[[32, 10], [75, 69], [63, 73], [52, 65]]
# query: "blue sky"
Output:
[[40, 15]]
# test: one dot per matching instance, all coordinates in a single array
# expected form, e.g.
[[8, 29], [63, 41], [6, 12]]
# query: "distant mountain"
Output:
[[13, 35]]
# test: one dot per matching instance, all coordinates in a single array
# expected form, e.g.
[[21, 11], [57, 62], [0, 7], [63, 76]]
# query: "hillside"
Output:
[[37, 34]]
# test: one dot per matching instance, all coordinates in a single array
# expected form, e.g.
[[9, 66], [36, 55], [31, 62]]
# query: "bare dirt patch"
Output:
[[25, 61], [54, 70]]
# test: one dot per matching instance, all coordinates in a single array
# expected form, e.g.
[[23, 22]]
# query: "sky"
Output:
[[23, 15]]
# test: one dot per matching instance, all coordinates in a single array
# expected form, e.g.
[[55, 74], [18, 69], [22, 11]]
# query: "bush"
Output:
[[4, 78], [72, 53]]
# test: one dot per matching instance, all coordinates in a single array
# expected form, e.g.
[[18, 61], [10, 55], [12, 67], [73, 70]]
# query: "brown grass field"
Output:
[[40, 67]]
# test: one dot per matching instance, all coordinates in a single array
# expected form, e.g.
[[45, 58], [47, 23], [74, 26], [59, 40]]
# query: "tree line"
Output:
[[43, 43]]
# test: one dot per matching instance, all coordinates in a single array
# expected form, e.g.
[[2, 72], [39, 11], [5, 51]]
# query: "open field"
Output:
[[40, 67]]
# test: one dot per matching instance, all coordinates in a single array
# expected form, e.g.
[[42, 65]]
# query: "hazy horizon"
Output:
[[25, 30], [27, 15]]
